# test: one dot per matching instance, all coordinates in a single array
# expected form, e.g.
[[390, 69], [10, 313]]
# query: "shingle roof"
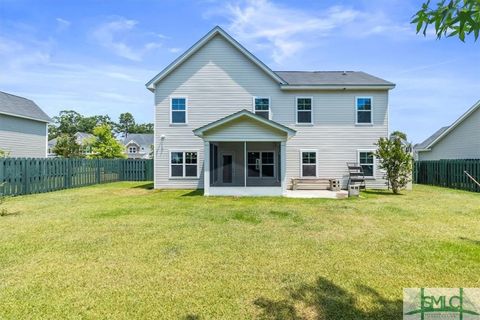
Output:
[[80, 138], [331, 78], [430, 139], [21, 107], [143, 139]]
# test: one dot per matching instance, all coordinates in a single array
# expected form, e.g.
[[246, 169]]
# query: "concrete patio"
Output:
[[342, 194]]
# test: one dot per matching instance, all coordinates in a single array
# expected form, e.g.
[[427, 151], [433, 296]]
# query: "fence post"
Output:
[[26, 184], [98, 169]]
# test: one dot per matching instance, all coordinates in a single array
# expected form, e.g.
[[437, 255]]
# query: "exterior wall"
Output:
[[23, 137], [463, 142], [219, 80]]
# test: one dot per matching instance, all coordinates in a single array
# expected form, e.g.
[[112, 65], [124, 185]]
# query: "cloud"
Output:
[[121, 36], [286, 30], [174, 50], [62, 24]]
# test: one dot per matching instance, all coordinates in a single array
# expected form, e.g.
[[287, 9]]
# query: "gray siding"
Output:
[[463, 142], [219, 80], [23, 137]]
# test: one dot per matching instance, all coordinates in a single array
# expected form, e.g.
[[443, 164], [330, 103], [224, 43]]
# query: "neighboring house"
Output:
[[461, 140], [227, 123], [82, 139], [138, 145], [23, 127]]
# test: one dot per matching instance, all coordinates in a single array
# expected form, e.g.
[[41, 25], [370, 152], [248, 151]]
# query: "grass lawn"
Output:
[[122, 251]]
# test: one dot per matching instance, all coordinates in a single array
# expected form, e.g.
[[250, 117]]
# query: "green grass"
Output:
[[123, 251]]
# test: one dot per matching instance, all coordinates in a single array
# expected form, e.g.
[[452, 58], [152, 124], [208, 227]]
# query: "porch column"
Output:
[[245, 164], [283, 165], [206, 168]]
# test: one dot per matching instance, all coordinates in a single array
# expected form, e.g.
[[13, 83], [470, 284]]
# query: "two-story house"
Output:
[[227, 123]]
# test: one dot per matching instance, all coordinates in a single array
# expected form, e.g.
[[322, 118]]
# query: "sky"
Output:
[[96, 56]]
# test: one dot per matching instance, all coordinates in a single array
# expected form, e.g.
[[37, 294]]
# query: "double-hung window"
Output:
[[178, 111], [364, 110], [183, 164], [304, 110], [309, 163], [262, 107], [366, 159], [261, 164]]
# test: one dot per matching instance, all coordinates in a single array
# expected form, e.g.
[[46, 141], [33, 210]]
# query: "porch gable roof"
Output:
[[248, 115]]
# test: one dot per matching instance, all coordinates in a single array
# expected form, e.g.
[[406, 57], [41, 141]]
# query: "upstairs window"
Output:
[[132, 149], [304, 110], [262, 107], [178, 111], [183, 164], [364, 110], [366, 159]]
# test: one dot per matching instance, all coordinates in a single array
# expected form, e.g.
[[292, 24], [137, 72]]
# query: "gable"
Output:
[[244, 128], [215, 33]]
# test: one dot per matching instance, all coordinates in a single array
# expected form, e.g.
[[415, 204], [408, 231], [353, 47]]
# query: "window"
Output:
[[304, 110], [309, 163], [178, 110], [183, 164], [366, 159], [132, 149], [262, 107], [364, 110], [261, 164]]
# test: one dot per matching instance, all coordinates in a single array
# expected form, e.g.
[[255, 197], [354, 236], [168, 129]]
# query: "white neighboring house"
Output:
[[138, 145], [461, 140], [23, 127], [82, 138], [226, 123]]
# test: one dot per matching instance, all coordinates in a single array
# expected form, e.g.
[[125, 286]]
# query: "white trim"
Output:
[[296, 111], [301, 162], [24, 117], [336, 87], [183, 164], [373, 177], [275, 168], [210, 35], [453, 126], [246, 191], [186, 111], [269, 106], [356, 111]]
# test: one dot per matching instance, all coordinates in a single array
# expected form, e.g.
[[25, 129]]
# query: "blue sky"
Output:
[[96, 56]]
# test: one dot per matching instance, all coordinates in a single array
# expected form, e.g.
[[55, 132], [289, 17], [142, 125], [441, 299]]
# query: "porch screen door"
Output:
[[227, 165]]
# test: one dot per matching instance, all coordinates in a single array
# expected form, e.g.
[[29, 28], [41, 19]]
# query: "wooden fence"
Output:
[[448, 173], [36, 175]]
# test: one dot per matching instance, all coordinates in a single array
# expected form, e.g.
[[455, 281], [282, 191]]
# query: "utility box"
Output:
[[353, 190]]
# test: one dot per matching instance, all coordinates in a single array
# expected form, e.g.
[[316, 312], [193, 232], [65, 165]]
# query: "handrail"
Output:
[[473, 179]]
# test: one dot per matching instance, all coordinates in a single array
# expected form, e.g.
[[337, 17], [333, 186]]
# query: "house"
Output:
[[138, 145], [23, 127], [82, 138], [226, 123], [461, 140]]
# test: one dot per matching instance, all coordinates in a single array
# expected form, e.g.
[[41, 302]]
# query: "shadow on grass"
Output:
[[193, 193], [382, 192], [472, 241], [325, 300], [191, 317], [147, 186]]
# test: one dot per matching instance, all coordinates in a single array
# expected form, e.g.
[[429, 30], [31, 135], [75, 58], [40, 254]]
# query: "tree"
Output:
[[67, 147], [70, 122], [396, 159], [104, 145], [126, 123], [450, 18]]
